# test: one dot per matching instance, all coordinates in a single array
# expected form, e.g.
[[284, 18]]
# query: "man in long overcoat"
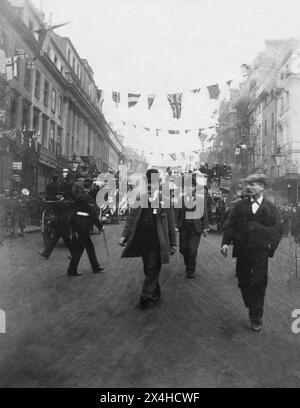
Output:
[[150, 233], [255, 232]]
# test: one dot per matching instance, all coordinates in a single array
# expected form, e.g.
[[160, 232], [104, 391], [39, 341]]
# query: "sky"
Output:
[[168, 46]]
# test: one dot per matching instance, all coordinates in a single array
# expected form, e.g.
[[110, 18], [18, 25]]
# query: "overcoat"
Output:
[[165, 231], [246, 231]]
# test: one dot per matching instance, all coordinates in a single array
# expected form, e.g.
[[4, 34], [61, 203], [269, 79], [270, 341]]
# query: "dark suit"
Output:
[[255, 238], [190, 236]]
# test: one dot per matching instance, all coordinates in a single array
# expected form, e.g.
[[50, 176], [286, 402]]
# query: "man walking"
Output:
[[85, 216], [191, 229], [150, 233], [254, 230]]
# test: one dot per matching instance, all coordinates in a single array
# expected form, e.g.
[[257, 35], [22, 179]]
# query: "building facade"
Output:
[[50, 100]]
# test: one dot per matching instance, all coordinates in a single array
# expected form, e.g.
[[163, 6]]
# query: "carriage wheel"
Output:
[[48, 220]]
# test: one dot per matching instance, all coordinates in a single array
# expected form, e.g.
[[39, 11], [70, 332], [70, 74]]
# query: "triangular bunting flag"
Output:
[[229, 82], [214, 91], [174, 132], [133, 99], [157, 132], [195, 91], [183, 155], [151, 98], [187, 131], [116, 96], [173, 156], [147, 129], [175, 101]]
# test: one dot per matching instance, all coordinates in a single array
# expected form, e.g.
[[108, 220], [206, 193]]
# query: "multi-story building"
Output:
[[273, 91], [50, 99]]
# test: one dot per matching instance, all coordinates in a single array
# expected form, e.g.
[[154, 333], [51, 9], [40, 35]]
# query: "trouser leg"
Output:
[[76, 254], [193, 246], [259, 283], [91, 253], [152, 267], [243, 271]]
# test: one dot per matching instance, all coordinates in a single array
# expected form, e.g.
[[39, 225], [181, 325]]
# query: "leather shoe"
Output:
[[99, 270], [256, 326], [191, 276], [75, 274], [144, 302], [43, 255]]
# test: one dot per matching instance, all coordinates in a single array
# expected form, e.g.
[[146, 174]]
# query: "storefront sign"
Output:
[[47, 161]]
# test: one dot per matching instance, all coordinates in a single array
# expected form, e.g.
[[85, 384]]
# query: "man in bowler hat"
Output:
[[254, 230]]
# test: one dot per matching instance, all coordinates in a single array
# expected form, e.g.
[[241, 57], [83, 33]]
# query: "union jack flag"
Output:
[[175, 101]]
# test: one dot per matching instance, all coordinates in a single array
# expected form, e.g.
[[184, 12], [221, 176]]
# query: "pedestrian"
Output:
[[150, 233], [53, 189], [85, 216], [254, 230], [191, 230]]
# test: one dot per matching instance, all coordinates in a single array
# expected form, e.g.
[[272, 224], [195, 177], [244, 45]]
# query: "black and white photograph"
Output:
[[149, 197]]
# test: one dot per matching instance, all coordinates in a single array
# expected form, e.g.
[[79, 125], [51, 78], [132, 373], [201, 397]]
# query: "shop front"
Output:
[[47, 168]]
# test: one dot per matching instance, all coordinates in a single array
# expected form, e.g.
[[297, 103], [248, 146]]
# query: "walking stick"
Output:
[[296, 257], [105, 242]]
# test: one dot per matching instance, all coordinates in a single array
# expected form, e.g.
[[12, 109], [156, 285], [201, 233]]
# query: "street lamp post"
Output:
[[278, 157]]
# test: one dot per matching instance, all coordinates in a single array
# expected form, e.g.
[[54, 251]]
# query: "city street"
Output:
[[90, 332]]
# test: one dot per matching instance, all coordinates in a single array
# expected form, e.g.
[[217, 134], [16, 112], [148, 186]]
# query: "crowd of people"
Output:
[[254, 226]]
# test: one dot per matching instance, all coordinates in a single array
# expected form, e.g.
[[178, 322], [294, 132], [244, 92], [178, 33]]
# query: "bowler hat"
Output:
[[256, 178]]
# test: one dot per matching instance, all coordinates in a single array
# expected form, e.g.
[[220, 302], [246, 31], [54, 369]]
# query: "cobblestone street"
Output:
[[90, 332]]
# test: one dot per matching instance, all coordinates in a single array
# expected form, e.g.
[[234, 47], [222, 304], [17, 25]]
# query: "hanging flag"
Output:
[[195, 91], [2, 62], [174, 132], [214, 91], [147, 129], [116, 96], [173, 156], [133, 99], [187, 131], [157, 132], [183, 155], [123, 123], [175, 101], [151, 98], [229, 82], [11, 68]]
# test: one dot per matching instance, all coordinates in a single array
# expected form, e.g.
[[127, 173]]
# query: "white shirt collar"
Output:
[[259, 200]]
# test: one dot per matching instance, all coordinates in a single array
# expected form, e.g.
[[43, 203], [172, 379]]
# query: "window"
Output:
[[36, 121], [28, 75], [46, 93], [4, 43], [59, 142], [273, 121], [53, 100], [60, 106], [52, 137], [55, 60], [37, 84], [44, 132], [266, 127]]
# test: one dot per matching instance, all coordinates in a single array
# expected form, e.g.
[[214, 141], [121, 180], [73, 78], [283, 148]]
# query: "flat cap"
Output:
[[256, 178]]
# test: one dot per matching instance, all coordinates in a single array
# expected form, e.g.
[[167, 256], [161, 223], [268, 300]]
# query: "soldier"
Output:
[[85, 216], [254, 230]]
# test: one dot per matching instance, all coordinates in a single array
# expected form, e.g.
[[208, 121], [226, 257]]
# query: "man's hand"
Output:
[[102, 228], [173, 250], [205, 232], [122, 242], [224, 250]]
